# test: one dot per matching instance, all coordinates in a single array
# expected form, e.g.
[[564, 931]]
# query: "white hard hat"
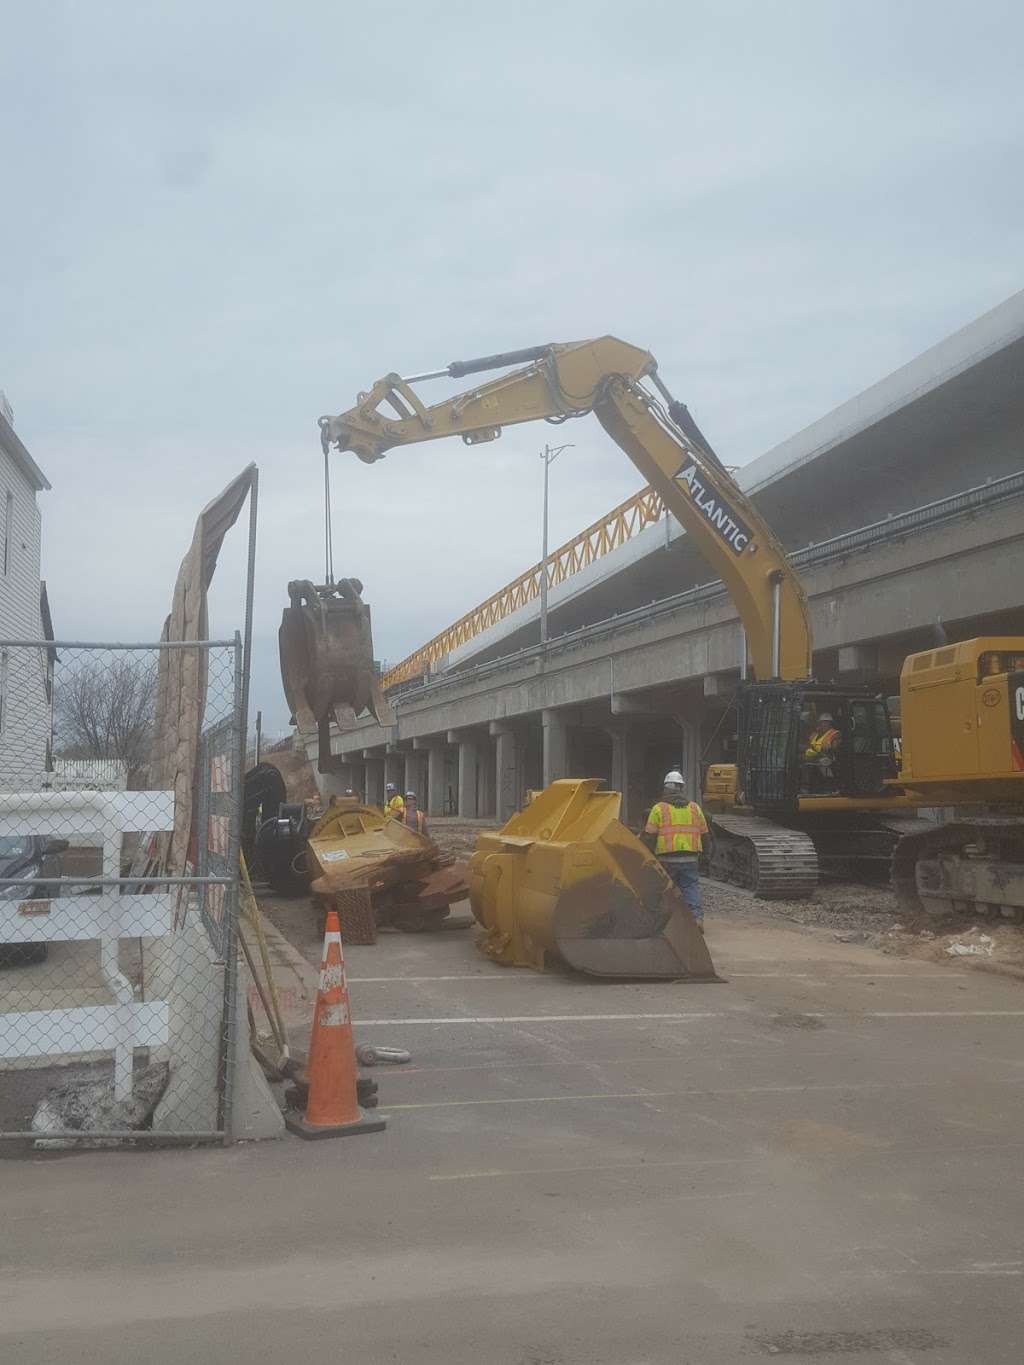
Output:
[[825, 718], [390, 787], [675, 778], [410, 796]]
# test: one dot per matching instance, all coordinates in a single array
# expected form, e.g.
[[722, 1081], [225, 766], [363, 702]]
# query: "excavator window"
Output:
[[992, 663], [787, 749], [869, 757]]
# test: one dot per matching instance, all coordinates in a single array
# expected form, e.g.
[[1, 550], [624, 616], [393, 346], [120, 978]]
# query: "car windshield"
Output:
[[13, 846]]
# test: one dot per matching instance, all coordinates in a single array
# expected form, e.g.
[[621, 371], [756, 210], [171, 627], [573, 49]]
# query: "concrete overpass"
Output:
[[905, 509]]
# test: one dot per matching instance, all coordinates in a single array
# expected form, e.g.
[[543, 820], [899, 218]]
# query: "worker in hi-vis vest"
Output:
[[823, 739], [412, 815], [821, 753], [675, 832], [393, 803]]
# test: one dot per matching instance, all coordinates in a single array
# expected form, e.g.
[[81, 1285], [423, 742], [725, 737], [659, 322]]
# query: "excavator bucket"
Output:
[[564, 878], [327, 664]]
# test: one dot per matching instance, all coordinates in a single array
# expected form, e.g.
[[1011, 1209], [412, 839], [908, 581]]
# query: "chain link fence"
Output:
[[118, 889]]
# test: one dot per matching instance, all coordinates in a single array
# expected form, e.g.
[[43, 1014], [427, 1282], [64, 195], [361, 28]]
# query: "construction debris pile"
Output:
[[407, 881]]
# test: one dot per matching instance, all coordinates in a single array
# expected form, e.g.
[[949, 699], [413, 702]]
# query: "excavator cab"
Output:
[[327, 665], [802, 740]]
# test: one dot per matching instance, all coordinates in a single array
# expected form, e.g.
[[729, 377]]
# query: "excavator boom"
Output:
[[606, 377]]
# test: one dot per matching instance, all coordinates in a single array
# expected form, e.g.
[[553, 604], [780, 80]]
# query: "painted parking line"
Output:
[[538, 1018], [464, 976], [944, 1014], [832, 977], [845, 1017], [759, 1159], [605, 1096], [487, 978]]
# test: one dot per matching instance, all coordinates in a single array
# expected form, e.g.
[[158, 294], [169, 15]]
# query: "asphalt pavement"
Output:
[[817, 1160]]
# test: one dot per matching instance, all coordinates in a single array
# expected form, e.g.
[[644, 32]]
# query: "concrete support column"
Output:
[[486, 780], [436, 765], [556, 746], [394, 768], [691, 756], [358, 783], [468, 762], [508, 762], [413, 775], [628, 772], [374, 780]]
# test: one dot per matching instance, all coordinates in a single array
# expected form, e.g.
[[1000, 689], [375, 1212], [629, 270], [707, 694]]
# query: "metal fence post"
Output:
[[231, 1000]]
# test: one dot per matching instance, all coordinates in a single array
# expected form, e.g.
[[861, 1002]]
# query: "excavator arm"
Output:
[[605, 376]]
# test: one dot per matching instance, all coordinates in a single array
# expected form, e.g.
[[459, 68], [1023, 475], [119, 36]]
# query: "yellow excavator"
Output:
[[783, 804]]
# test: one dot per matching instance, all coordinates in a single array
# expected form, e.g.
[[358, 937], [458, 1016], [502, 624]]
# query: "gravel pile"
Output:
[[869, 915]]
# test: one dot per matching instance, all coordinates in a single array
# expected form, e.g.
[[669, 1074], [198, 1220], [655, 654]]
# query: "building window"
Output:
[[8, 530]]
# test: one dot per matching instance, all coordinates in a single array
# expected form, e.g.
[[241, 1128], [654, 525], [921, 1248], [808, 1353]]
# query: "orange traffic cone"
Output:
[[332, 1109]]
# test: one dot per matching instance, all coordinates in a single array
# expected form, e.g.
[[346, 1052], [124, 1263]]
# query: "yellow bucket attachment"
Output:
[[327, 669], [565, 877]]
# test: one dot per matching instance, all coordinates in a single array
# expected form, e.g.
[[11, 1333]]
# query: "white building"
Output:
[[26, 675]]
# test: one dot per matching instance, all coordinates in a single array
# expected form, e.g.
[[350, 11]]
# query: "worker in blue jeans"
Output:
[[675, 831]]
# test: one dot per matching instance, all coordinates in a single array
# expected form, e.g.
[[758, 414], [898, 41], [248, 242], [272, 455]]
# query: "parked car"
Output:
[[31, 858]]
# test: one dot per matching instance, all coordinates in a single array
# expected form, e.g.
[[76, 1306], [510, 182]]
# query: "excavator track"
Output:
[[773, 862], [972, 866], [858, 846]]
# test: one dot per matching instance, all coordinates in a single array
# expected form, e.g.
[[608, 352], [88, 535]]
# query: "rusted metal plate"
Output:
[[357, 845]]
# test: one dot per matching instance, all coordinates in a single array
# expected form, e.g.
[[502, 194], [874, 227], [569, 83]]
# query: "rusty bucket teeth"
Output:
[[327, 668]]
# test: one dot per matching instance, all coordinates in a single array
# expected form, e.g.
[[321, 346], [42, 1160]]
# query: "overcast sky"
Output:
[[220, 220]]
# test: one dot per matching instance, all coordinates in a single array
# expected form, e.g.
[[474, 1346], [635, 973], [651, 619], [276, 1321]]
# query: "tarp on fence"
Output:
[[181, 681]]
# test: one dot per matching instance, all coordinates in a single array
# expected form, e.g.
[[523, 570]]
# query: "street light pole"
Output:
[[549, 455]]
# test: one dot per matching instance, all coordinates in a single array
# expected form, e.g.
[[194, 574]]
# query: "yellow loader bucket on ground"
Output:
[[566, 878], [327, 668]]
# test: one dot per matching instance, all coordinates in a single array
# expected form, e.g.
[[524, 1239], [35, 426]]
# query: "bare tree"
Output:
[[104, 709]]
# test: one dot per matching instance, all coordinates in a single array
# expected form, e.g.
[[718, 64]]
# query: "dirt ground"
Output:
[[871, 916], [856, 914], [457, 837]]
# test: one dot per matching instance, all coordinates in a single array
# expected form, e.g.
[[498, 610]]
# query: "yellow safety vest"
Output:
[[396, 806], [817, 743], [679, 828]]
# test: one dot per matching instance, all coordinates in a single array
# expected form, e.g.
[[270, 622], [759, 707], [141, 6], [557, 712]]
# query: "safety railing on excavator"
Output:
[[930, 514], [614, 529]]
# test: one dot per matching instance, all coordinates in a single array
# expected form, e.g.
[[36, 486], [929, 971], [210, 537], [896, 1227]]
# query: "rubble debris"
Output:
[[982, 946], [87, 1106]]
